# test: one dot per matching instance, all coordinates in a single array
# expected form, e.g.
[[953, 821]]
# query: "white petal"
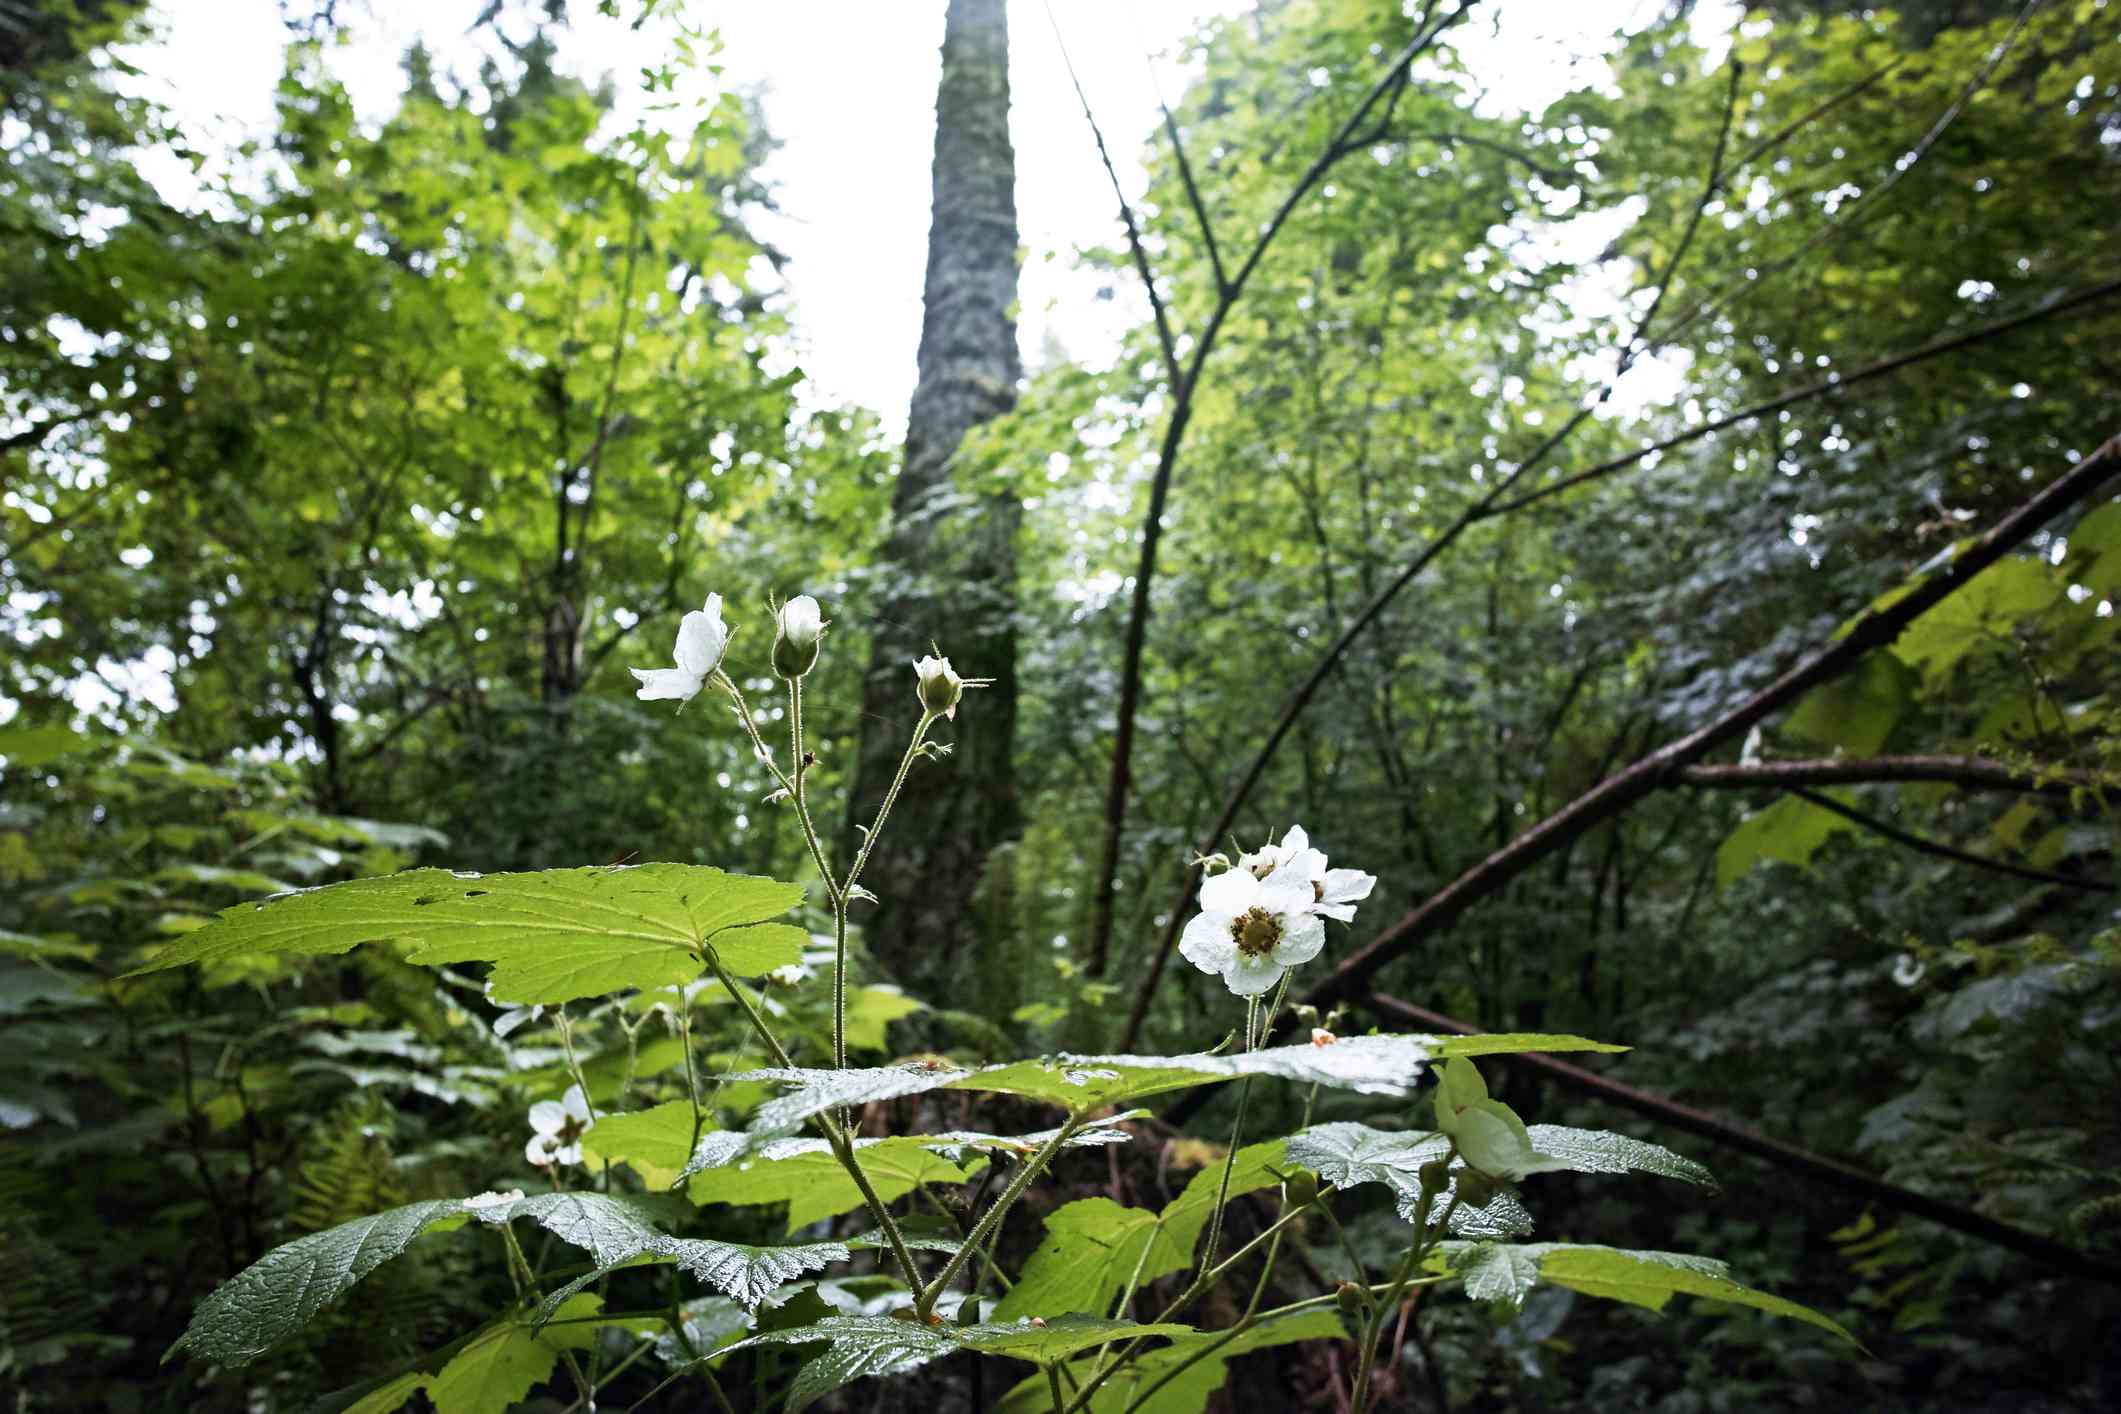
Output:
[[569, 1154], [1296, 873], [1296, 841], [1347, 886], [1301, 939], [1207, 943], [702, 638], [1283, 896], [576, 1103], [1249, 976], [548, 1116], [1338, 912], [540, 1150], [660, 683], [1260, 862], [1231, 892], [800, 618]]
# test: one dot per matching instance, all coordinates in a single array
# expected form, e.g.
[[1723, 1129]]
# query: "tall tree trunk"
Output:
[[953, 572]]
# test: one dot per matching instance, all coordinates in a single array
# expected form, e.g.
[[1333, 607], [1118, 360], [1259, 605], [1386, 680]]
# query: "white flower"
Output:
[[940, 688], [797, 628], [792, 975], [1334, 892], [702, 640], [558, 1127], [1252, 930]]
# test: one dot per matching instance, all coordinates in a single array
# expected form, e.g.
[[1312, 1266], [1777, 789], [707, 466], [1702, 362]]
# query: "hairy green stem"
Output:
[[1374, 1328], [842, 1146], [883, 812], [924, 1304]]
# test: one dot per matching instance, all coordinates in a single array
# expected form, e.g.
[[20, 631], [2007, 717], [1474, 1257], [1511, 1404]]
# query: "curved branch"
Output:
[[1164, 338], [1787, 1157], [1663, 767], [1888, 830], [1478, 511], [1978, 772], [1342, 143]]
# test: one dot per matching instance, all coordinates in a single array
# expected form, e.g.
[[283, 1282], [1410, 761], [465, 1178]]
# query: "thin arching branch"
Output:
[[1661, 768], [1165, 339], [1786, 1157], [1200, 208], [1130, 680], [1478, 511], [1832, 383], [1885, 829], [1975, 772]]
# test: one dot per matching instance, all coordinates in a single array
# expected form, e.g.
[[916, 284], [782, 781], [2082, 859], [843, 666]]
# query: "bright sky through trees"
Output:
[[850, 95]]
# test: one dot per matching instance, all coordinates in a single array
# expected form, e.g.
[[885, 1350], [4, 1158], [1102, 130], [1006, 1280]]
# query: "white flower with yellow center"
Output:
[[1334, 892], [557, 1127], [1252, 929], [702, 640]]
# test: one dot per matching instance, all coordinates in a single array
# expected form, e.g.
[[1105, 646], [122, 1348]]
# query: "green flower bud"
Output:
[[1435, 1175], [940, 688], [1301, 1189], [1354, 1301]]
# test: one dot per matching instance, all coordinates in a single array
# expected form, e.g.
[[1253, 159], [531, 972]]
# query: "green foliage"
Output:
[[556, 936], [1649, 1279], [393, 459], [1093, 1247]]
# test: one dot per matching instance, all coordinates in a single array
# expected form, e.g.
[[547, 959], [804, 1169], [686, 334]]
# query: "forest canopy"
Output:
[[1507, 689]]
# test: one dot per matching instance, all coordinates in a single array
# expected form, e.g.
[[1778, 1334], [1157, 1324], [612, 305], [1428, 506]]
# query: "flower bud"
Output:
[[940, 688], [798, 628], [1354, 1300], [1435, 1175], [1300, 1189]]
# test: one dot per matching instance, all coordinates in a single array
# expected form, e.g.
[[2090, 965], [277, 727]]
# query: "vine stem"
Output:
[[1374, 1328], [842, 1146], [924, 1304], [844, 896]]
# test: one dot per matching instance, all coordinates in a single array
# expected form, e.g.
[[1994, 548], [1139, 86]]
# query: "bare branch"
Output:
[[1661, 768], [1100, 941], [1977, 772], [1200, 209], [1478, 511], [1888, 830], [1164, 338], [1786, 1157]]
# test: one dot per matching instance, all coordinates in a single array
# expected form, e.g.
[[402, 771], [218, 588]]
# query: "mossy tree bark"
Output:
[[951, 555]]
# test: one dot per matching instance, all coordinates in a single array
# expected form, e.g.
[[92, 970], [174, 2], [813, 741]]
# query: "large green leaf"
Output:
[[1510, 1043], [504, 1362], [1345, 1154], [654, 1143], [1791, 830], [1858, 710], [859, 1347], [551, 936], [1189, 1385], [1986, 610], [745, 1274], [279, 1293], [1094, 1245], [1370, 1065], [26, 747], [282, 1291], [1649, 1279], [809, 1178]]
